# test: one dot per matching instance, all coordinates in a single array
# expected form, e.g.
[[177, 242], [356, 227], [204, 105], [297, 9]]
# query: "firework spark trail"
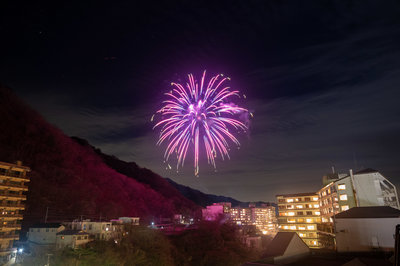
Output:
[[199, 112]]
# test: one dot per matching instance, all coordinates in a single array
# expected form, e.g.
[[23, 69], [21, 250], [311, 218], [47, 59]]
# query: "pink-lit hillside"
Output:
[[72, 178]]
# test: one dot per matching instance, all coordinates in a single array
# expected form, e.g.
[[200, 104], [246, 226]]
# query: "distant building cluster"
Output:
[[79, 232], [262, 217], [322, 218]]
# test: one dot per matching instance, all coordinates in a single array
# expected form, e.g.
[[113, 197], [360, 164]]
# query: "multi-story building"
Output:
[[98, 230], [342, 192], [13, 179], [263, 218], [44, 233], [300, 213]]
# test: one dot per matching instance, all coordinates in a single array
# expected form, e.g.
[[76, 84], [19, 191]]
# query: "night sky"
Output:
[[321, 77]]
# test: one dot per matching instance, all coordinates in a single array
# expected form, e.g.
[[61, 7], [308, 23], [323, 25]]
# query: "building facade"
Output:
[[71, 239], [98, 230], [263, 218], [13, 179], [44, 233], [367, 229], [300, 213], [342, 192]]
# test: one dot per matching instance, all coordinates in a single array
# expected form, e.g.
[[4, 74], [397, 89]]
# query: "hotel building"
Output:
[[12, 196], [300, 213], [342, 192]]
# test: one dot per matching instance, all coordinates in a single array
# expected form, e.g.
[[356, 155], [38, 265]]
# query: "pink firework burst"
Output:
[[200, 114]]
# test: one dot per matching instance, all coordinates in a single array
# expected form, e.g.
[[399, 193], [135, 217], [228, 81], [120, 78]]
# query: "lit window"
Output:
[[315, 198], [310, 227], [292, 227], [302, 227], [316, 206], [289, 200], [323, 193], [302, 235], [301, 220], [309, 220], [290, 213], [291, 220], [290, 206], [343, 197], [341, 187], [345, 207], [336, 199], [314, 243], [317, 213], [285, 227], [299, 206]]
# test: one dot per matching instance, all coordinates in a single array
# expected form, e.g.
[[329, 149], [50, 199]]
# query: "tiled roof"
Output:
[[369, 212], [279, 244]]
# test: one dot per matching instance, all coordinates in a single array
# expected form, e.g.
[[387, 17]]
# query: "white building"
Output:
[[44, 233], [99, 230], [366, 229], [71, 239]]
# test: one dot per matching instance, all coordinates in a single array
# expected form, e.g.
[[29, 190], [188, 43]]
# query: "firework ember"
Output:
[[200, 114]]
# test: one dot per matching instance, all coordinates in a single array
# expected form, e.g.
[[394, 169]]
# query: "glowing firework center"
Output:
[[199, 112]]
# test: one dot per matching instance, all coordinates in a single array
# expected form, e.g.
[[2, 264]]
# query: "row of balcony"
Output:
[[20, 175], [10, 226], [11, 236], [12, 184], [15, 205], [17, 215], [12, 195]]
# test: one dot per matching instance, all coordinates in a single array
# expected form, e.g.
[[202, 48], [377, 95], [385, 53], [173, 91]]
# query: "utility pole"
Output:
[[47, 213], [48, 259]]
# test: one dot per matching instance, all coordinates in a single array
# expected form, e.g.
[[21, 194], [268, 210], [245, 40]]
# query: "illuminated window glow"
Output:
[[302, 227], [299, 206], [292, 227], [290, 213], [315, 198], [345, 207], [310, 227], [309, 220], [342, 187], [316, 206], [289, 200], [317, 213], [343, 197]]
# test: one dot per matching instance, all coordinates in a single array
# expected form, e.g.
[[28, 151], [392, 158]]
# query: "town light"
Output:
[[20, 250]]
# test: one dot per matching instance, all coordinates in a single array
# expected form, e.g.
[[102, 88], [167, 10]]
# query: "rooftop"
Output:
[[72, 232], [280, 243], [46, 225], [369, 212], [298, 194], [366, 171]]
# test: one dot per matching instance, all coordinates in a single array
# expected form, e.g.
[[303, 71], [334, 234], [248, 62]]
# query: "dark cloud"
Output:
[[321, 77]]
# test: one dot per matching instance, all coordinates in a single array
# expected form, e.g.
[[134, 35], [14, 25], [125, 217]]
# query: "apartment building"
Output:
[[342, 192], [13, 179], [300, 213]]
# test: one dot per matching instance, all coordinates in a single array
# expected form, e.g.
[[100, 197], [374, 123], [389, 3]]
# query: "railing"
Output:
[[14, 236], [9, 184], [7, 194], [10, 225], [18, 205], [8, 175], [11, 215]]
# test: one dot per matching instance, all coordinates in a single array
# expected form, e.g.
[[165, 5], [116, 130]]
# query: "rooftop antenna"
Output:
[[333, 169]]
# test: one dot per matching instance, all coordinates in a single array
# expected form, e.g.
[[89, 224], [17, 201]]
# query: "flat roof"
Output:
[[298, 194], [369, 212]]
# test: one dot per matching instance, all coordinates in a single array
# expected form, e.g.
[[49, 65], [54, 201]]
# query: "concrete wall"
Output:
[[356, 234]]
